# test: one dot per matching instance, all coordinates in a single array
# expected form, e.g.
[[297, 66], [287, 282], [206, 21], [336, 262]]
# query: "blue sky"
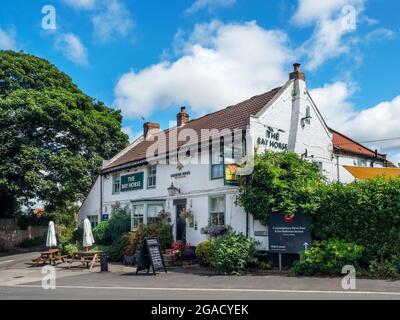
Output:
[[150, 57]]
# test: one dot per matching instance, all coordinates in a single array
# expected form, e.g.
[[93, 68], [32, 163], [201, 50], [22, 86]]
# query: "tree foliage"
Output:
[[53, 137], [363, 212], [281, 182]]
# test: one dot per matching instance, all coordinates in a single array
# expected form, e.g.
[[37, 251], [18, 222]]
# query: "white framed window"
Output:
[[152, 177], [116, 186], [217, 163], [94, 221], [137, 216], [217, 211], [152, 212]]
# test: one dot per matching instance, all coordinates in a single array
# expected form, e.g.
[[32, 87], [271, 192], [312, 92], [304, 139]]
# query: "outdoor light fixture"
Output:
[[172, 190], [305, 120]]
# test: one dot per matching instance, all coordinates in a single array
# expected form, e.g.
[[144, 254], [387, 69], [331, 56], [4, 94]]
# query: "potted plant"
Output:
[[187, 215], [164, 216], [189, 253]]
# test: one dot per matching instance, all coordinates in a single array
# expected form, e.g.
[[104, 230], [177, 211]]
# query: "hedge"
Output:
[[364, 212]]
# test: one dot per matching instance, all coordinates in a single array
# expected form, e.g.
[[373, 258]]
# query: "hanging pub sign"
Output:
[[288, 233], [132, 182], [150, 256], [230, 169]]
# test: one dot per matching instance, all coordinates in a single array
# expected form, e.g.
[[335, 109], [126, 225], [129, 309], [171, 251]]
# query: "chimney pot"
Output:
[[297, 74], [182, 117], [150, 128]]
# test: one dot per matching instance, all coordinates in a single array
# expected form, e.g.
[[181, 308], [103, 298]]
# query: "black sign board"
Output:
[[288, 234], [151, 256]]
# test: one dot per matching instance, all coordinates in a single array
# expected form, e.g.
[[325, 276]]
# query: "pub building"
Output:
[[163, 171]]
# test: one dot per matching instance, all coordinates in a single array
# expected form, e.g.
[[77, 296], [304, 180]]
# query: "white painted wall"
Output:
[[91, 205]]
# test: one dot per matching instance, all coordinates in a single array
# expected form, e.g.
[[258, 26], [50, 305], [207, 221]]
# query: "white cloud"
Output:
[[332, 24], [371, 124], [81, 4], [72, 48], [113, 20], [333, 102], [210, 5], [7, 40], [220, 65], [309, 11], [380, 34]]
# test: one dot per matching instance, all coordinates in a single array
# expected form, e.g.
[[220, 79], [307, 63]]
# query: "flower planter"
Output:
[[189, 253]]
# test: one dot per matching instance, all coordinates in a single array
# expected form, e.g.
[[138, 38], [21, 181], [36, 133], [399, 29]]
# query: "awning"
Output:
[[363, 173]]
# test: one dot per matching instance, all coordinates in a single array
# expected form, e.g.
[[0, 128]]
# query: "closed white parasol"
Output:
[[88, 239], [51, 240]]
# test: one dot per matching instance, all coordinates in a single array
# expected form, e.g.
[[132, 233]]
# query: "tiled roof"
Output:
[[348, 145], [233, 117]]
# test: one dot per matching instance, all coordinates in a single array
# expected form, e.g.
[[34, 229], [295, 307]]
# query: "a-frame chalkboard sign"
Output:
[[151, 256]]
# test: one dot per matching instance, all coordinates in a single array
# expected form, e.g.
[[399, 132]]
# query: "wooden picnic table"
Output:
[[86, 258], [52, 256]]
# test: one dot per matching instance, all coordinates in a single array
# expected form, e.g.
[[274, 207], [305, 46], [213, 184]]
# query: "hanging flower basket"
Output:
[[186, 214]]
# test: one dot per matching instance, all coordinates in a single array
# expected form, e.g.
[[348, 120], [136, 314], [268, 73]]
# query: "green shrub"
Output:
[[160, 230], [328, 257], [119, 223], [66, 217], [266, 265], [365, 212], [24, 220], [281, 181], [34, 242], [106, 232], [101, 233], [233, 253], [203, 253], [70, 248], [116, 251], [77, 235], [385, 269]]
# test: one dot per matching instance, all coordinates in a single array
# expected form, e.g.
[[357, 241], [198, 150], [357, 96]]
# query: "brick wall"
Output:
[[10, 236]]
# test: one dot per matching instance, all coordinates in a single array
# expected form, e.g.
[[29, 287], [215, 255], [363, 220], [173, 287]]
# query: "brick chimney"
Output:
[[182, 117], [150, 128], [297, 74]]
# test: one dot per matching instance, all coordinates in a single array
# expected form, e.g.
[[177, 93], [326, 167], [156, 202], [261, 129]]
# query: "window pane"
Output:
[[151, 181], [217, 171], [153, 210]]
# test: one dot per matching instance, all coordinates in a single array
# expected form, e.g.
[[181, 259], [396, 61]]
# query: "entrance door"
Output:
[[180, 224]]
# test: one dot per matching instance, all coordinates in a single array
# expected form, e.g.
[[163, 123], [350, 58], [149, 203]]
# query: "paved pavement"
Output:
[[18, 281]]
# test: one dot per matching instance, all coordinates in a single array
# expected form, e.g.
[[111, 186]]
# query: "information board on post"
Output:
[[288, 234]]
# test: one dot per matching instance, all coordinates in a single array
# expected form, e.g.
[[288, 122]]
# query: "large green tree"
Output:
[[53, 137], [281, 182]]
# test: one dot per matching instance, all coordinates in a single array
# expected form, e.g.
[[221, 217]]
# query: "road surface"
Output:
[[19, 281]]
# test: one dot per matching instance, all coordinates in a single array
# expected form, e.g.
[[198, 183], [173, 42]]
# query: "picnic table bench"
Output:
[[86, 258], [52, 256]]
